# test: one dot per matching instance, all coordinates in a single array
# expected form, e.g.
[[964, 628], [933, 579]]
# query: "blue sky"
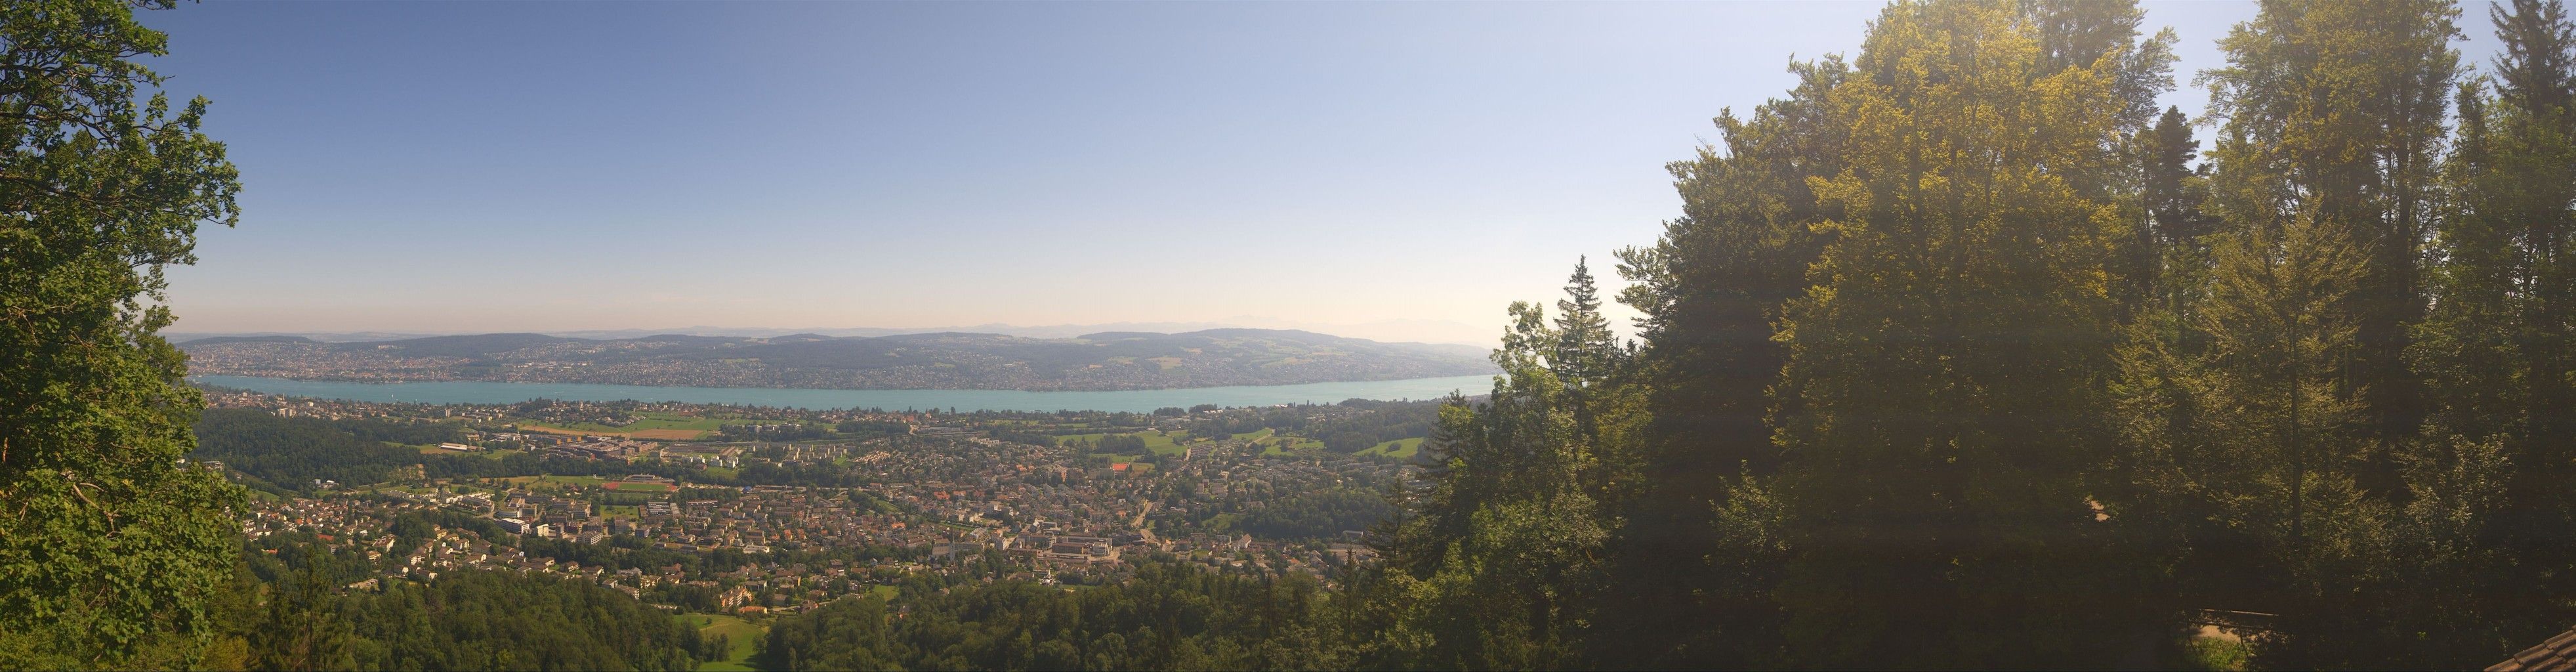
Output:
[[1405, 170]]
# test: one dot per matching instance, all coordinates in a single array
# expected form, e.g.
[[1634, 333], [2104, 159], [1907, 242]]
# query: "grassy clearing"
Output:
[[2211, 652], [1396, 448], [884, 592], [743, 639]]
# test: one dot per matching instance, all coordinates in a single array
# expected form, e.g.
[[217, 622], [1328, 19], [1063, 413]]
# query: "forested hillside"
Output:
[[286, 610], [294, 452]]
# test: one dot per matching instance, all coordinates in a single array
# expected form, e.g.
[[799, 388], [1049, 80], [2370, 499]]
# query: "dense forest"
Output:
[[284, 611], [293, 452], [1391, 420], [1166, 617]]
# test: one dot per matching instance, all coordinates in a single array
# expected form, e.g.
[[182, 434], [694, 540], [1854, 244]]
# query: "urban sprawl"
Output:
[[765, 510]]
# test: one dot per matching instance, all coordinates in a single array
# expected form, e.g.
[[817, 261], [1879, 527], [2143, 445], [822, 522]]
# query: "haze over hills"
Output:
[[1391, 331], [1112, 360]]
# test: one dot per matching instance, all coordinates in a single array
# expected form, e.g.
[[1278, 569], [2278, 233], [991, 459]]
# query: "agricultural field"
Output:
[[1163, 444]]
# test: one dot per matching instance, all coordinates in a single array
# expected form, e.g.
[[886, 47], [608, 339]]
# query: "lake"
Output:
[[480, 392]]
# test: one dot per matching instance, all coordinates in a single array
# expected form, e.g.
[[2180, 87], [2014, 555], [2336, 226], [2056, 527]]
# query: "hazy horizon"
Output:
[[1393, 331], [477, 168]]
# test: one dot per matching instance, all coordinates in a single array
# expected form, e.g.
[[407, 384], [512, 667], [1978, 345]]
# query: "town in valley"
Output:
[[747, 511]]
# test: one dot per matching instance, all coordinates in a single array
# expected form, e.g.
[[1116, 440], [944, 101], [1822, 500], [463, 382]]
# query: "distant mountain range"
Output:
[[1431, 331], [1114, 360]]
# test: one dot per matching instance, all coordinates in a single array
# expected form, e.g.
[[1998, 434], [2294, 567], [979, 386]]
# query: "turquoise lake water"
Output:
[[479, 392]]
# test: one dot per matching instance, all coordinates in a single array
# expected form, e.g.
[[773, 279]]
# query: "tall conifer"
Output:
[[2344, 104]]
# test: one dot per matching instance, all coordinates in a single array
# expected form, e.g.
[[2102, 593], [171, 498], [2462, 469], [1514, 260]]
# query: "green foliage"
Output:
[[1498, 564], [1385, 421], [873, 427], [1946, 359], [1168, 617], [1122, 444], [2335, 114], [489, 620], [109, 547], [292, 452], [408, 433]]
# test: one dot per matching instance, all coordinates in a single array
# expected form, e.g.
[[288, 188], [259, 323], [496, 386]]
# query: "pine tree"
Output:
[[1700, 545], [2171, 251], [2343, 104], [2079, 33], [1499, 552], [1586, 351], [2493, 349], [2539, 43]]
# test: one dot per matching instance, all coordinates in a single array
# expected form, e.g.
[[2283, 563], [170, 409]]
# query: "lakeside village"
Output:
[[750, 511]]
